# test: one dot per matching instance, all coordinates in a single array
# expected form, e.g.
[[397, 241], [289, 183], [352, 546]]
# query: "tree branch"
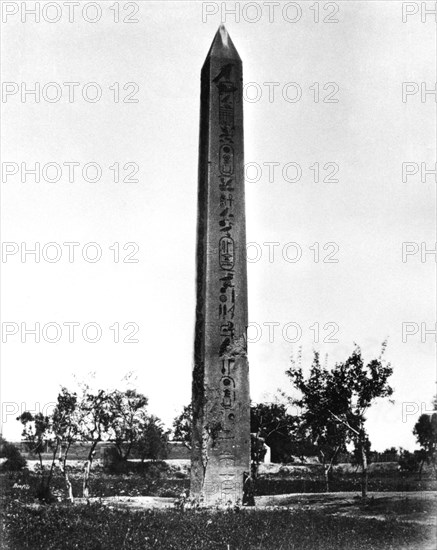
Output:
[[344, 422]]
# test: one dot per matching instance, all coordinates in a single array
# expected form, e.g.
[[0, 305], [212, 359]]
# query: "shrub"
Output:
[[113, 462], [408, 462], [14, 459], [44, 494]]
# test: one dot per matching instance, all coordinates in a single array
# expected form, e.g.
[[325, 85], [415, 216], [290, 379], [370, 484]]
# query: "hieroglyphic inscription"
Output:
[[230, 487], [226, 297]]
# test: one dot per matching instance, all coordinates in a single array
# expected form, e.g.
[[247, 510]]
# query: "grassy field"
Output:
[[96, 527], [399, 521]]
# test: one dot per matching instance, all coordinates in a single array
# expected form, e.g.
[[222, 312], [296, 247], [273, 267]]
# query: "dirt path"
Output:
[[415, 506]]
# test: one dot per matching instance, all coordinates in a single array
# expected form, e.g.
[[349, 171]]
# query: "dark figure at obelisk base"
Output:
[[220, 461]]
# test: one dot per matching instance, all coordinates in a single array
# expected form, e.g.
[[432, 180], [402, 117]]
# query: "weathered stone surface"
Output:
[[221, 403]]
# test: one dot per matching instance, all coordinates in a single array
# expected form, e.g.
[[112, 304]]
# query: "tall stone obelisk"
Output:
[[221, 404]]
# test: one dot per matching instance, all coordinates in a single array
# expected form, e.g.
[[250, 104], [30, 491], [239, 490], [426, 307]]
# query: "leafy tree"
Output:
[[302, 445], [425, 431], [38, 433], [324, 431], [94, 419], [409, 462], [129, 420], [335, 403], [390, 451], [271, 423], [65, 425], [182, 426], [153, 441]]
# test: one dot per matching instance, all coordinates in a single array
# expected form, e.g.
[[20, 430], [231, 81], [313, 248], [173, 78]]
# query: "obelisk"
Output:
[[220, 459]]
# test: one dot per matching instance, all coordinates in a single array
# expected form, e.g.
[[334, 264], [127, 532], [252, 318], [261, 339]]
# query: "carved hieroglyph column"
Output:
[[221, 404]]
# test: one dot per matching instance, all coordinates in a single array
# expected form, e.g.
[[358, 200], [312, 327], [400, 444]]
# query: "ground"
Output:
[[136, 509]]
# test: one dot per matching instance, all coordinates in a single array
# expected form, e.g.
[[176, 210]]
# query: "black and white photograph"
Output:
[[218, 275]]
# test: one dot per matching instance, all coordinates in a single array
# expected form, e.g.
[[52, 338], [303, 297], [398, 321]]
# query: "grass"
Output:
[[274, 485], [382, 523], [95, 527], [142, 482]]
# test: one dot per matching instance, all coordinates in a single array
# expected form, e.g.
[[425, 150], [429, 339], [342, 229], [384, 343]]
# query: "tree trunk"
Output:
[[129, 448], [420, 469], [87, 471], [326, 470], [86, 478], [49, 479], [364, 478], [68, 484], [63, 464]]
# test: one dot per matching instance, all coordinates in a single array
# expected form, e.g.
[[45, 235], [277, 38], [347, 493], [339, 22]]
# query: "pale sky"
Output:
[[366, 296]]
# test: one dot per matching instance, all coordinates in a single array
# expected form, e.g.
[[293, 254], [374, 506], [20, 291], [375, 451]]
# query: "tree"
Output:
[[425, 431], [92, 416], [37, 433], [390, 451], [324, 431], [182, 426], [153, 441], [66, 426], [94, 419], [129, 420], [409, 462], [271, 423], [335, 403], [356, 458]]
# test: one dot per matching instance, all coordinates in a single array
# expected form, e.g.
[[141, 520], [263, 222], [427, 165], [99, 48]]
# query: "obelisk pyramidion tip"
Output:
[[222, 45], [224, 35]]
